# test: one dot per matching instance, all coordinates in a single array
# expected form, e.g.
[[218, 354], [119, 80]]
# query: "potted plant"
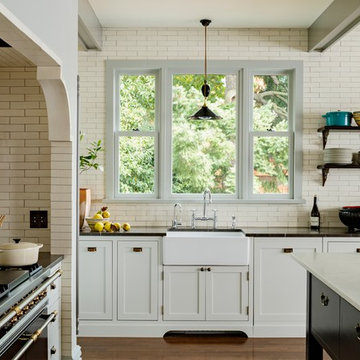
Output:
[[87, 162]]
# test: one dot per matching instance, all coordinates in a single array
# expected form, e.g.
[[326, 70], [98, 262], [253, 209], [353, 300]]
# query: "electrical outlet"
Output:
[[38, 219]]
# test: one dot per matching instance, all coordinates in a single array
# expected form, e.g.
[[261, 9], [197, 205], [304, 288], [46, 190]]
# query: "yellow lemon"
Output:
[[97, 216], [105, 214], [107, 226], [99, 226], [126, 227], [117, 226]]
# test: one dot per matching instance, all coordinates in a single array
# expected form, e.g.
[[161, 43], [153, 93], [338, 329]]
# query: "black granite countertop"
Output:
[[47, 261], [249, 231]]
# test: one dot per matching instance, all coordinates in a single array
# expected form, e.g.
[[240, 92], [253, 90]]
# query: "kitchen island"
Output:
[[333, 305]]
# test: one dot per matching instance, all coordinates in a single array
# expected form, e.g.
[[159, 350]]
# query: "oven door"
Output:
[[33, 342]]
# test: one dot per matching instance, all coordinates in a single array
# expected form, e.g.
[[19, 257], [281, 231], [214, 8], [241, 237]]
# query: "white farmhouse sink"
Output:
[[205, 248]]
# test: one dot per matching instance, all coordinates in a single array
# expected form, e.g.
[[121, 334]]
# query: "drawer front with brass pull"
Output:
[[288, 250], [325, 305]]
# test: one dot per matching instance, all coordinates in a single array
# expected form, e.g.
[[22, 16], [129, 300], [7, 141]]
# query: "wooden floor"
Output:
[[193, 349]]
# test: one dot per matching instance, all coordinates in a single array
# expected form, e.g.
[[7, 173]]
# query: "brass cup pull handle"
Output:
[[208, 269], [357, 329], [288, 250], [324, 300], [202, 269], [137, 249], [358, 250], [91, 249]]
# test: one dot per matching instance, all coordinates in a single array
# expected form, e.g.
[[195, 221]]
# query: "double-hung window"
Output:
[[135, 134], [155, 152]]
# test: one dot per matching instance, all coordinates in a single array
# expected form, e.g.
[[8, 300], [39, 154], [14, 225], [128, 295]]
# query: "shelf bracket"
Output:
[[325, 134], [325, 172]]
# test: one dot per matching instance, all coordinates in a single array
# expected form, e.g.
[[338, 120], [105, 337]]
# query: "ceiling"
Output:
[[224, 14]]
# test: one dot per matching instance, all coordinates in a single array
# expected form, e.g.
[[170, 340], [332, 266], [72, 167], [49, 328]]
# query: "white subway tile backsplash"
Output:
[[331, 82]]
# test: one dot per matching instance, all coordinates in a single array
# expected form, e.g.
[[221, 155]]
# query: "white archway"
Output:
[[48, 74]]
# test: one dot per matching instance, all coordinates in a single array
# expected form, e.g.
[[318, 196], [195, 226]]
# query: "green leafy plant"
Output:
[[89, 160]]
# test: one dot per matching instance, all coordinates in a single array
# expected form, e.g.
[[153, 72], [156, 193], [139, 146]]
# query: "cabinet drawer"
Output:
[[349, 332], [325, 308], [343, 247]]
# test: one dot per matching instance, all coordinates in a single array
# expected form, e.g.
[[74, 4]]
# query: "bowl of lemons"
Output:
[[101, 222], [99, 219]]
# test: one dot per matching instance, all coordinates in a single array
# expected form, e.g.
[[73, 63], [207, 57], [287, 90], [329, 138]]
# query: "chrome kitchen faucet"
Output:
[[206, 193]]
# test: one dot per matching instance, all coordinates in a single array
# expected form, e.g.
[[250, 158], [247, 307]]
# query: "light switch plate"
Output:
[[38, 219]]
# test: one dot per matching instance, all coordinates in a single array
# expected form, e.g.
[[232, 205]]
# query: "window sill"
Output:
[[201, 201]]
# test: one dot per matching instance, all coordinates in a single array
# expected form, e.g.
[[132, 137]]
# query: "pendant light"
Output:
[[205, 113]]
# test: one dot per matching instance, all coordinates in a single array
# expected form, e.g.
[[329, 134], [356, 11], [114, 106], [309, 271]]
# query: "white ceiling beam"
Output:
[[333, 23], [89, 27]]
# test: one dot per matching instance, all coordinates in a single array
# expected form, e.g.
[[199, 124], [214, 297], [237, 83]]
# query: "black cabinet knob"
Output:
[[53, 350], [324, 300]]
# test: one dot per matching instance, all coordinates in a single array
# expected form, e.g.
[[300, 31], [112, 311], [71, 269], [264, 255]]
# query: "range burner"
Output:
[[32, 269]]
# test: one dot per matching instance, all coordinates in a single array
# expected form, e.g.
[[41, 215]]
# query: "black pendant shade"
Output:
[[205, 113]]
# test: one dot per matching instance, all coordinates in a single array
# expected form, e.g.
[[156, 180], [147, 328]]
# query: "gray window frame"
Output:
[[244, 69]]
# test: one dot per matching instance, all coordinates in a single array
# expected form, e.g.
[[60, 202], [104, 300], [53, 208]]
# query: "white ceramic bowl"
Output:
[[91, 222]]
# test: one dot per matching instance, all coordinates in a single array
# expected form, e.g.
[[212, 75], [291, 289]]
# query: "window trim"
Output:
[[243, 69], [290, 134]]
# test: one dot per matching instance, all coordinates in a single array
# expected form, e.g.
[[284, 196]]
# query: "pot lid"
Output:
[[22, 246]]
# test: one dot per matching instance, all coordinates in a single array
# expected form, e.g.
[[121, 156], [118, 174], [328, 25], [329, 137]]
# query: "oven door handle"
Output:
[[17, 309], [35, 335]]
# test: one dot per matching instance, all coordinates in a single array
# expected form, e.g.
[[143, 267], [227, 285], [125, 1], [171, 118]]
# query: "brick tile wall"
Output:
[[24, 155], [331, 82]]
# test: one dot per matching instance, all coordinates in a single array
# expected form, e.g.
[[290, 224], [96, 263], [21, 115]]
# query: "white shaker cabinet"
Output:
[[95, 280], [137, 274], [280, 284], [206, 293], [342, 245], [184, 293], [227, 293]]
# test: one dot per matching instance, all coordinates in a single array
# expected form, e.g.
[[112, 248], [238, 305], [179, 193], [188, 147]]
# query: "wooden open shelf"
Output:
[[326, 167], [326, 130]]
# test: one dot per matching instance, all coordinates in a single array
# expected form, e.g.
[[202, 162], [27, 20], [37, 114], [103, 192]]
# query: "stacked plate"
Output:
[[338, 156]]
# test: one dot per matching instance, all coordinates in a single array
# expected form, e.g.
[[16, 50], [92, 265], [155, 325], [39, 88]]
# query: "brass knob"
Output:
[[208, 269], [53, 286], [202, 269]]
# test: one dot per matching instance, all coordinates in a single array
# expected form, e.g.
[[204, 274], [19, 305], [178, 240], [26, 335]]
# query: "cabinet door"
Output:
[[137, 280], [95, 280], [184, 293], [324, 310], [227, 293], [349, 331], [279, 282], [334, 246]]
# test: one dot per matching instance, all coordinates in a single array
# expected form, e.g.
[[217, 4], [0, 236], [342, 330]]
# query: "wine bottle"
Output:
[[315, 216]]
